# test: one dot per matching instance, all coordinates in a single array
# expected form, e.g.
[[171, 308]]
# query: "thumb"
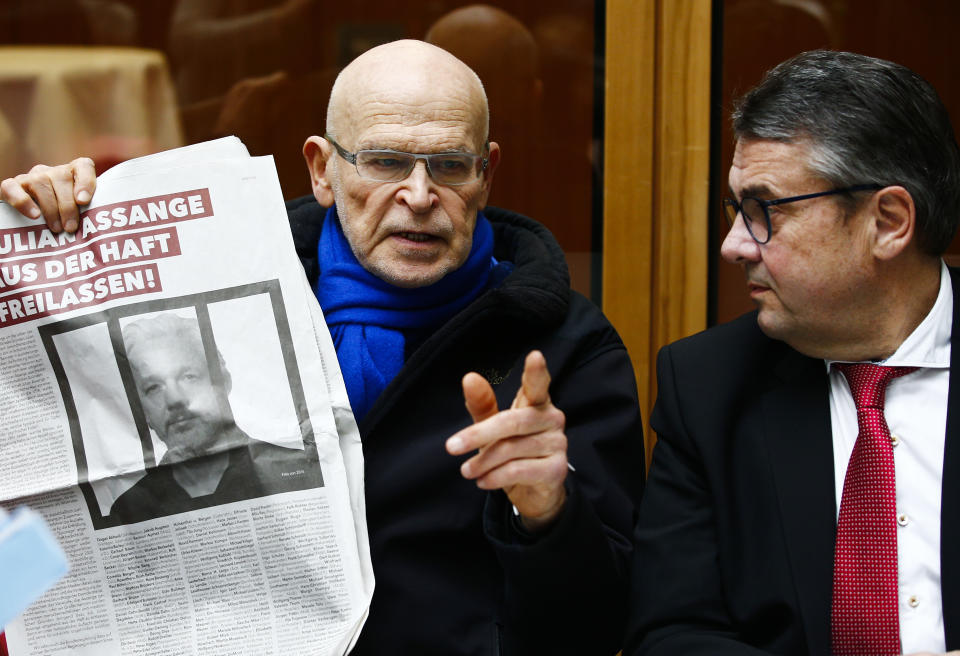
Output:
[[479, 397]]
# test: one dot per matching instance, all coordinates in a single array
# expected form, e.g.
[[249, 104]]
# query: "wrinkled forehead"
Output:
[[432, 126], [416, 108], [765, 167]]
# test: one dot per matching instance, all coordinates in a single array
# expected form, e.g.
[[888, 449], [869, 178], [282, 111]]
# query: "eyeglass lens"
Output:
[[445, 168], [754, 216]]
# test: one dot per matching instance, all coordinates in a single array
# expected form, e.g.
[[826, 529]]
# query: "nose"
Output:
[[418, 190], [738, 246], [175, 395]]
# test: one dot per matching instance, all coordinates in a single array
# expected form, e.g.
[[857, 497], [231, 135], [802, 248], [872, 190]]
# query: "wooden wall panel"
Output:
[[682, 170], [656, 177], [628, 179]]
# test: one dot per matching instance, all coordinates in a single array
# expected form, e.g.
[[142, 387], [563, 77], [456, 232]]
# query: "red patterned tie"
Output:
[[864, 615]]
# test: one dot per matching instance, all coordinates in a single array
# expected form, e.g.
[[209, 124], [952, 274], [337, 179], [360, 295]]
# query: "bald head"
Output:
[[414, 84]]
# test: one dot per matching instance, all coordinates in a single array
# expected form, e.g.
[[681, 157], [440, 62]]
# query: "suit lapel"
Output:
[[950, 496], [796, 416]]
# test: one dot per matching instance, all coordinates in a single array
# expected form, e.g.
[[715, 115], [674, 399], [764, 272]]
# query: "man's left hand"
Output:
[[522, 450]]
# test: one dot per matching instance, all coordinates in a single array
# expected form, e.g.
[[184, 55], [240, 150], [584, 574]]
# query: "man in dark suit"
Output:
[[209, 460], [845, 191]]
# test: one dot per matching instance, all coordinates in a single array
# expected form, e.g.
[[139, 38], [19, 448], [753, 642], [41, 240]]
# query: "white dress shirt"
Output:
[[916, 412]]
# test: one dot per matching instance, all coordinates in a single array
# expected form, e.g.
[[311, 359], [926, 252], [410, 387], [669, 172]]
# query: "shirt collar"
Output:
[[929, 344]]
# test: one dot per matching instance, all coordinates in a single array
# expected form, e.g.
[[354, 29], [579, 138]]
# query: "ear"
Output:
[[317, 152], [493, 160], [895, 221]]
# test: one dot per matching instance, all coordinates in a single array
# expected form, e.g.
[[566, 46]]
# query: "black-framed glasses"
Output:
[[757, 218], [450, 169]]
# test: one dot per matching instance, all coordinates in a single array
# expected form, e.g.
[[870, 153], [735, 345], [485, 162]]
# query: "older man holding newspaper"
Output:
[[493, 526]]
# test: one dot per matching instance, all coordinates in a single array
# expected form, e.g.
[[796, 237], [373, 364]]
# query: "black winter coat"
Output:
[[455, 574]]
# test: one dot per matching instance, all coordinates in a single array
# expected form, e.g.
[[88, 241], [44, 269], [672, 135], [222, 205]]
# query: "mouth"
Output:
[[181, 422], [755, 289], [418, 237]]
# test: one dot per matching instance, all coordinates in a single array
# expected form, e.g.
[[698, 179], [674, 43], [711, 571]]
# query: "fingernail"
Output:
[[55, 227], [35, 213], [454, 445], [83, 197], [71, 226]]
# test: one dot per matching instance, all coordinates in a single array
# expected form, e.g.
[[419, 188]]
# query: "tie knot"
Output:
[[868, 382]]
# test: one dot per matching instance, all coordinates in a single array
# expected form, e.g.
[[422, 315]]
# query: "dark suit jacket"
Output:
[[738, 521]]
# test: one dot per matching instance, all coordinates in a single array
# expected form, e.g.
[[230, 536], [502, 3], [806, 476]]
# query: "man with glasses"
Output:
[[804, 496], [510, 533]]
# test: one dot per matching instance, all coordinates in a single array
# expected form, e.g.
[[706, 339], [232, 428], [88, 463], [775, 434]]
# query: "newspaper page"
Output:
[[171, 404]]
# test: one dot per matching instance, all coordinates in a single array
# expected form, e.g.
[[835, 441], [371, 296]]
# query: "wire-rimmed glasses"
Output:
[[450, 169]]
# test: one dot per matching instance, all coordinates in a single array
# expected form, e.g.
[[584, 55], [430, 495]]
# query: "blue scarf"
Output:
[[367, 316]]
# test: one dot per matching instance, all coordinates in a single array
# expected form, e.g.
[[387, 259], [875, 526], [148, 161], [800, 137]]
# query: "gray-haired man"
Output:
[[782, 515]]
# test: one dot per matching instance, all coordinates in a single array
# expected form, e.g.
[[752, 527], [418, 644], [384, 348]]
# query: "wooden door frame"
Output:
[[656, 178]]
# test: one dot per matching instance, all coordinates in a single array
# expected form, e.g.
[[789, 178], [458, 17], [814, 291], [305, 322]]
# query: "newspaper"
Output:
[[171, 404]]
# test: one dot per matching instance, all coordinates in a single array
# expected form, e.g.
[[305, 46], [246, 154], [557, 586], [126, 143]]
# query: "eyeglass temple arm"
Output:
[[829, 192]]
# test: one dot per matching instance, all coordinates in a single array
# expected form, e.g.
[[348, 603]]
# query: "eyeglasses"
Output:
[[450, 169], [757, 218]]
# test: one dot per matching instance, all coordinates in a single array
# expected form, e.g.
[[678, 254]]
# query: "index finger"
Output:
[[535, 383], [12, 193]]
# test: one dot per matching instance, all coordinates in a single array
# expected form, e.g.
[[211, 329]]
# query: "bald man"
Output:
[[502, 528]]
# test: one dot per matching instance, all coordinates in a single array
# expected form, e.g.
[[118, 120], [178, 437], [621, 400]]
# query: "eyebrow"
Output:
[[754, 191]]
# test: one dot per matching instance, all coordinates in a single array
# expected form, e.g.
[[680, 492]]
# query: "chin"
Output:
[[799, 338], [411, 277], [770, 326]]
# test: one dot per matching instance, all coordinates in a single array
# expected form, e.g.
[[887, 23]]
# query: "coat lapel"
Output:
[[796, 416], [950, 496]]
